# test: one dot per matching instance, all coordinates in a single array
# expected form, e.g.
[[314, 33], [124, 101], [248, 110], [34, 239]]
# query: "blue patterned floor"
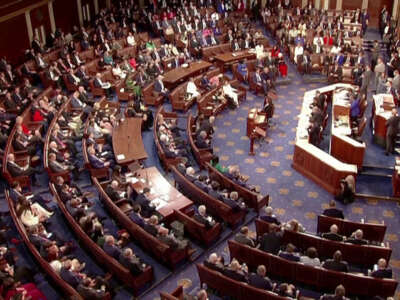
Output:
[[292, 195]]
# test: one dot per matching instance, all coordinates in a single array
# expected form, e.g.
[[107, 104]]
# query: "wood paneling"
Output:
[[17, 39], [66, 14], [332, 4], [351, 4], [374, 9], [40, 17]]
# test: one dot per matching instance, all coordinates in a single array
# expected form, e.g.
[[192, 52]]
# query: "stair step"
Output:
[[369, 173]]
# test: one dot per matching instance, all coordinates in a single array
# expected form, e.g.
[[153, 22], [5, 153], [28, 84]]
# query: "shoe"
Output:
[[387, 153]]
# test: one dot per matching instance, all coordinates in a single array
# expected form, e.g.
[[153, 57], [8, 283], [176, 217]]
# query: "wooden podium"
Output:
[[255, 119]]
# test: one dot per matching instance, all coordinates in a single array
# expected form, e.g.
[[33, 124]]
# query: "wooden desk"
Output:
[[176, 76], [161, 189], [127, 141], [255, 119], [232, 57], [381, 112], [314, 163], [342, 146]]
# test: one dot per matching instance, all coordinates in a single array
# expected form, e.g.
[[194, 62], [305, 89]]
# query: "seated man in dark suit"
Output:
[[234, 202], [271, 241], [269, 216], [88, 291], [333, 234], [151, 226], [259, 280], [200, 182], [142, 199], [68, 275], [191, 174], [382, 271], [168, 238], [214, 262], [290, 253], [332, 211], [357, 238], [110, 247], [17, 170], [113, 191], [135, 215], [202, 218], [129, 260], [202, 141], [336, 263], [243, 237], [235, 271], [340, 293], [160, 88], [96, 162]]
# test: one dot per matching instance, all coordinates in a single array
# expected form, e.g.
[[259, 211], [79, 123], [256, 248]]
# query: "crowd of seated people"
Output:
[[16, 281], [257, 279]]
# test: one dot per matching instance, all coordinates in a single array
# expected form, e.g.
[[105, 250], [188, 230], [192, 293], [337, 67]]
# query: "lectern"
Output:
[[255, 119]]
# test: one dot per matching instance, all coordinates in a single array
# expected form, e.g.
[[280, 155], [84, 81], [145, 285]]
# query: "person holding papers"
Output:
[[191, 90], [232, 93], [160, 88], [104, 85]]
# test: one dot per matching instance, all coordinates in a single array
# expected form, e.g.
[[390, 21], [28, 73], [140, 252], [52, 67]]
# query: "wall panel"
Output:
[[15, 41], [66, 14], [351, 4], [374, 9]]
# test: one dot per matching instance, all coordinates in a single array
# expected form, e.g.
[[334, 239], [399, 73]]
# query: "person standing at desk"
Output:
[[392, 125]]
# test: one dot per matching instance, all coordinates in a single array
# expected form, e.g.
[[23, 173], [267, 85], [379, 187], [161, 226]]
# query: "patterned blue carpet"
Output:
[[292, 195]]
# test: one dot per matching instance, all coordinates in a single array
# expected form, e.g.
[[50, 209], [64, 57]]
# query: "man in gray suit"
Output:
[[396, 80], [243, 237], [366, 81]]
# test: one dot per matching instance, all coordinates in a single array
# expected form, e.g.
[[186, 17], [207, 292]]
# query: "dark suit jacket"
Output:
[[158, 86], [271, 242], [333, 212], [332, 236], [56, 167], [357, 241], [270, 219], [95, 162], [133, 264], [260, 282], [14, 169], [150, 229], [386, 273], [70, 277], [241, 238], [330, 264], [113, 194], [112, 250], [216, 267], [289, 256], [136, 219], [90, 293], [235, 275]]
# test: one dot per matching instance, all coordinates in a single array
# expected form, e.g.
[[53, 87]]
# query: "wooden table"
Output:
[[161, 192], [381, 112], [127, 141], [178, 75], [232, 57]]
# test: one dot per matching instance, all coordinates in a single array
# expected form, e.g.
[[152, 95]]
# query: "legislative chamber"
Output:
[[199, 149]]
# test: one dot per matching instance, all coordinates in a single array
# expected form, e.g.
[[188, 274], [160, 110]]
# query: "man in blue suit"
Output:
[[160, 88], [259, 280], [135, 215], [111, 248]]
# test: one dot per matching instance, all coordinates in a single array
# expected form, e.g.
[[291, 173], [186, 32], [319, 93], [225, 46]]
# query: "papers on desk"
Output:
[[234, 54], [132, 180], [158, 203], [120, 156]]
